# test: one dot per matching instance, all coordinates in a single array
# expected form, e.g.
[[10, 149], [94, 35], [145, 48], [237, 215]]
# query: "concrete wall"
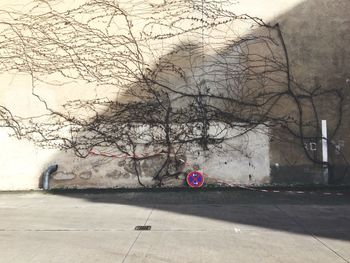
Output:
[[240, 160], [318, 40]]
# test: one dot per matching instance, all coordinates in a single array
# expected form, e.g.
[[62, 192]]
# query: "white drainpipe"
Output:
[[325, 151]]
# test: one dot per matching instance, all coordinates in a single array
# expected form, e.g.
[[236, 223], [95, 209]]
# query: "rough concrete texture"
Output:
[[196, 226], [240, 160], [317, 36]]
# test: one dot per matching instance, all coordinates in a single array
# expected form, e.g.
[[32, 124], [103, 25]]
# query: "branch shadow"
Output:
[[316, 214]]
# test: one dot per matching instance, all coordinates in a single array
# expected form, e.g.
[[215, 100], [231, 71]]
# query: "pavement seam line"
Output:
[[149, 216], [132, 245], [311, 234], [331, 249]]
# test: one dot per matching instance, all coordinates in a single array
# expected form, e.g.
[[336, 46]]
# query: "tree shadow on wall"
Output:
[[164, 123], [273, 210], [317, 38], [317, 53], [248, 79], [308, 57]]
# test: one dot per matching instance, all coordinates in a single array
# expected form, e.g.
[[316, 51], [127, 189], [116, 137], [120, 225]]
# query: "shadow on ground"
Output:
[[309, 213]]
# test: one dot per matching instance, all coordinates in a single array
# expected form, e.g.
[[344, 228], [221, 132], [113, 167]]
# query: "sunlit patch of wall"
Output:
[[317, 37]]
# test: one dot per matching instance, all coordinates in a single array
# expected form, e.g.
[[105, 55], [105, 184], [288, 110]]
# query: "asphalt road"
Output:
[[186, 226]]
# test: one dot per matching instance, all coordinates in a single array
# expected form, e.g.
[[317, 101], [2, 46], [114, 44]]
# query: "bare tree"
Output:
[[183, 67]]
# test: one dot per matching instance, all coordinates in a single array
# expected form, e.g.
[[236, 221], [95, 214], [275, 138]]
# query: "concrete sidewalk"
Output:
[[186, 226]]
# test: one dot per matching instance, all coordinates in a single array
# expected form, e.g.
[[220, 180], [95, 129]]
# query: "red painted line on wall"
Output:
[[149, 154]]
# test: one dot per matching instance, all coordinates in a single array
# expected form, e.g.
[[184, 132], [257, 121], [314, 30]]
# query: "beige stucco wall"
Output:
[[318, 38]]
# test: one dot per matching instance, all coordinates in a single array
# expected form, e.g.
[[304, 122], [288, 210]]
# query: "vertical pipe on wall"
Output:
[[46, 176], [325, 151]]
